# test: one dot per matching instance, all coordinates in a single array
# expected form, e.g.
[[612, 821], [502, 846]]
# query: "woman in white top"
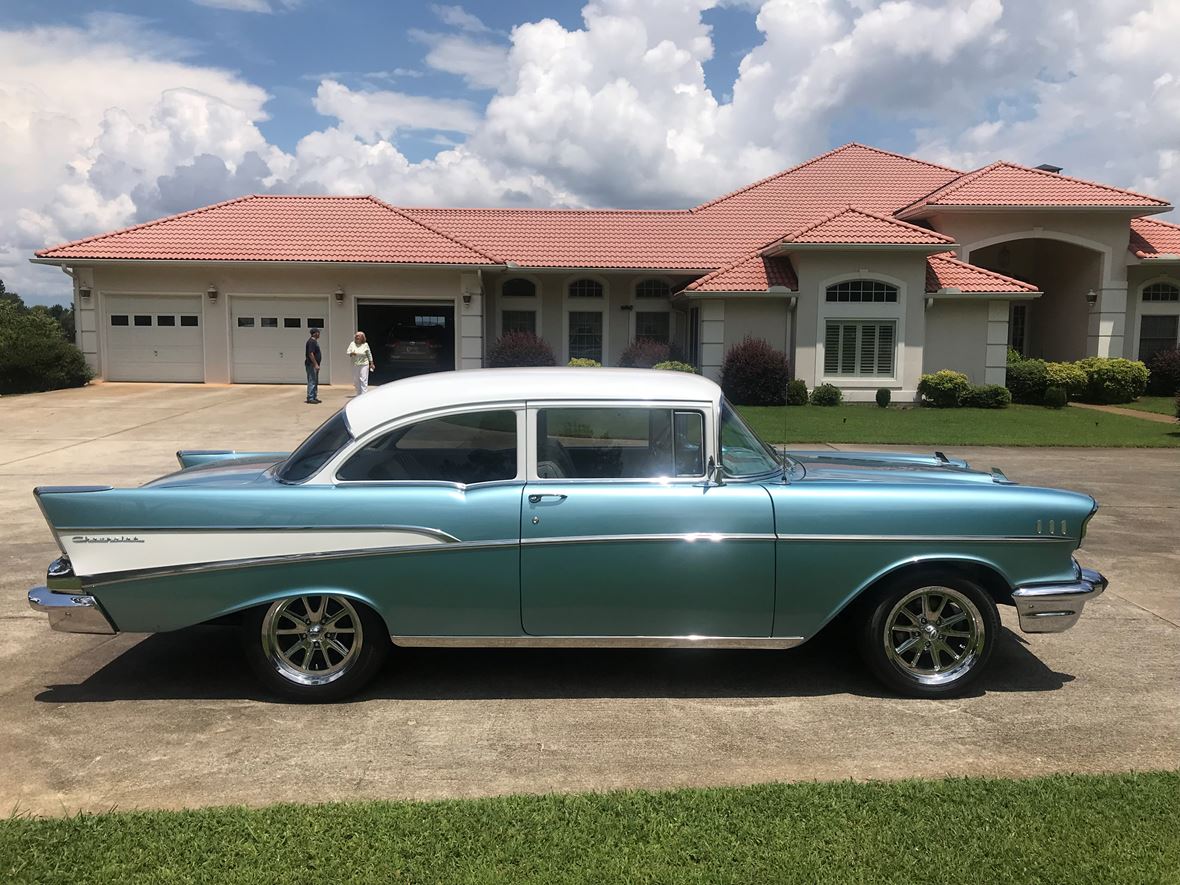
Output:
[[362, 362]]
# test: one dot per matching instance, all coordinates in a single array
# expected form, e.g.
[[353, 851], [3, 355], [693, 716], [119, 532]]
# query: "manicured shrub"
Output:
[[676, 366], [520, 349], [1027, 380], [986, 396], [883, 396], [34, 355], [1164, 367], [943, 388], [1056, 397], [580, 363], [1068, 376], [644, 353], [1113, 380], [755, 374], [827, 395], [796, 392], [1178, 405]]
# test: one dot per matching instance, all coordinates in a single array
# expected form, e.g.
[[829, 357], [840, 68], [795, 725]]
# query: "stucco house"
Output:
[[867, 267]]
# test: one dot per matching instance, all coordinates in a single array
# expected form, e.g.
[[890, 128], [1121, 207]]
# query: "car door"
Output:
[[621, 534], [456, 480]]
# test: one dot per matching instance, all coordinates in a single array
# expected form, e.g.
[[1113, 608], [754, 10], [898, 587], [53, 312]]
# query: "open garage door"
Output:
[[408, 339], [269, 335], [154, 338]]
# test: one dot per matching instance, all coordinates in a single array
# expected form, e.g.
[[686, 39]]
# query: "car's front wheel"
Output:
[[315, 648], [929, 636]]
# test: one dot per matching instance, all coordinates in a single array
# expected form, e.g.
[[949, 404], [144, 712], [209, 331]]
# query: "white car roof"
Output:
[[442, 390]]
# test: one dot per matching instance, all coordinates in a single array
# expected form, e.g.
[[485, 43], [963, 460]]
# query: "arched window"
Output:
[[862, 292], [1161, 292], [585, 289], [519, 287], [652, 289]]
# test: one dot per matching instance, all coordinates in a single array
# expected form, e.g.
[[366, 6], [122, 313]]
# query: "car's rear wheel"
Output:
[[315, 647], [929, 636]]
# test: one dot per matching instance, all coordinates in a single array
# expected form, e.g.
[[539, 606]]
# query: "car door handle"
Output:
[[536, 499]]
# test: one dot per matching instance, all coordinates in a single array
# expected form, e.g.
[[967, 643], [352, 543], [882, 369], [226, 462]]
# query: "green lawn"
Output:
[[1164, 405], [1108, 829], [1014, 426]]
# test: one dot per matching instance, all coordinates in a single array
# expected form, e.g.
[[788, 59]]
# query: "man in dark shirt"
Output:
[[311, 362]]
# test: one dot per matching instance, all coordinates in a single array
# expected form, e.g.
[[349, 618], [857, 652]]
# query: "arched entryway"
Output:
[[1055, 326]]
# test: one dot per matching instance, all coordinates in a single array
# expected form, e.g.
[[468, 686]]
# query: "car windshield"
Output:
[[742, 452], [316, 450]]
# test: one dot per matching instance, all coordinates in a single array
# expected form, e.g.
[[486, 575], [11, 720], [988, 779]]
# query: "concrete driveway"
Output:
[[174, 720]]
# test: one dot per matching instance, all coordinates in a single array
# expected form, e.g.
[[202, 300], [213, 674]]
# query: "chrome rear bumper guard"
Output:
[[70, 612], [1052, 608]]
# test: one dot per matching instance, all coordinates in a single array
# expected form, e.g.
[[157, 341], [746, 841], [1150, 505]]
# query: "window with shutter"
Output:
[[860, 347]]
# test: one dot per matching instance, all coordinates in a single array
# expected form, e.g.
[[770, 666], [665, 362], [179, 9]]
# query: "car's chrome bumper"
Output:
[[1051, 608], [70, 612]]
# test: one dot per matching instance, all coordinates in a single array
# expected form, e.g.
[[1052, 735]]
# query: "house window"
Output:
[[857, 347], [518, 287], [143, 319], [245, 322], [1161, 292], [119, 319], [189, 319], [165, 320], [862, 292], [270, 322], [1017, 323], [292, 323], [518, 321], [653, 325], [585, 289], [653, 289], [585, 335], [1157, 333]]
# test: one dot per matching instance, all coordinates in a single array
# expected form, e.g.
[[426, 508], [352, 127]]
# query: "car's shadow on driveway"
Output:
[[202, 663]]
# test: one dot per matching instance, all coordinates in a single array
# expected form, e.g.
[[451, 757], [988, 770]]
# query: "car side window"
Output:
[[465, 448], [619, 443]]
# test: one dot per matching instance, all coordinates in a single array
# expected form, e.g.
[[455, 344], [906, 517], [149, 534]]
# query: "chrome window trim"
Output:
[[688, 641]]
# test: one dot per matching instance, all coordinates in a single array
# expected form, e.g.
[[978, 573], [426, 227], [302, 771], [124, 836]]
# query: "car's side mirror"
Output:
[[713, 471]]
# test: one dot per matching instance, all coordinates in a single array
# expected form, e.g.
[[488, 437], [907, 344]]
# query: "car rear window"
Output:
[[316, 450]]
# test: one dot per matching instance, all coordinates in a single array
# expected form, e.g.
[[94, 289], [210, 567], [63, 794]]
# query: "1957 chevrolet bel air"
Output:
[[566, 507]]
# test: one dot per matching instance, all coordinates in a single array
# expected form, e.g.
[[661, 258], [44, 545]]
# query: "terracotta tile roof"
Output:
[[856, 226], [945, 271], [1007, 184], [750, 273], [273, 228], [1151, 238]]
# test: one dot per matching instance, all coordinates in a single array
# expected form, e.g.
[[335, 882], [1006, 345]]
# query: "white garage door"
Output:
[[269, 335], [154, 338]]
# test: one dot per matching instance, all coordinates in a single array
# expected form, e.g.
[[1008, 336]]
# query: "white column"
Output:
[[995, 364], [1106, 334], [86, 317], [712, 338], [470, 318]]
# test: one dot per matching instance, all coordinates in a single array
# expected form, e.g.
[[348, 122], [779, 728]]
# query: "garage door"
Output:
[[154, 338], [269, 335]]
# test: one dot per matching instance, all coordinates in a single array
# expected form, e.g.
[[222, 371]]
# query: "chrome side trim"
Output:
[[286, 559], [446, 537], [69, 612], [1053, 608], [769, 642], [1004, 539], [686, 536]]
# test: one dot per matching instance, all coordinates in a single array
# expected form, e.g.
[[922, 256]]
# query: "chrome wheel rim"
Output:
[[934, 635], [312, 640]]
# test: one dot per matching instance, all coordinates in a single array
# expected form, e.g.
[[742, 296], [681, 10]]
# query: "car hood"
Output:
[[891, 467], [224, 473]]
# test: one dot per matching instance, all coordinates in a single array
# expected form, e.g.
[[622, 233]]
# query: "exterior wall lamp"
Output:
[[467, 298], [84, 291], [339, 293], [1091, 298], [212, 293]]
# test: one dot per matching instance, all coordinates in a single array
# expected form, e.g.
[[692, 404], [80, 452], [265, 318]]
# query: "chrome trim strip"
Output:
[[768, 642], [287, 559], [1053, 608], [445, 537], [932, 538], [687, 536], [70, 612]]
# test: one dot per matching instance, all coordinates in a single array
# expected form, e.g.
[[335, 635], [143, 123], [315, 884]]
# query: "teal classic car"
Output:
[[566, 508]]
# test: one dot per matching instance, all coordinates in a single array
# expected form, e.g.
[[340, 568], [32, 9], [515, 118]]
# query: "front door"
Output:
[[621, 536]]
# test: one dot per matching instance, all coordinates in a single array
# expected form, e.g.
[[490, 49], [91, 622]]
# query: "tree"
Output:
[[34, 351]]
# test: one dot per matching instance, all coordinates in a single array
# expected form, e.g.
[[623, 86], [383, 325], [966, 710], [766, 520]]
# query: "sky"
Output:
[[117, 113]]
